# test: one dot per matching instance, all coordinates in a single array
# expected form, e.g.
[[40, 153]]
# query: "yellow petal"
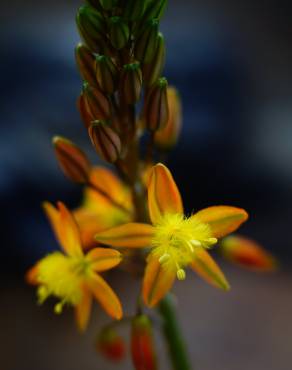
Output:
[[103, 259], [223, 220], [83, 309], [163, 194], [65, 228], [247, 253], [204, 265], [132, 235], [157, 282], [105, 296]]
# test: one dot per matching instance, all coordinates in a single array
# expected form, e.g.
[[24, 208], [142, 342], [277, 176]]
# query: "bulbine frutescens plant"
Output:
[[131, 218]]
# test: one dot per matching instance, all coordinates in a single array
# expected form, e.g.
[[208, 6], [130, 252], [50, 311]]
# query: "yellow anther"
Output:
[[59, 308], [42, 293], [210, 241], [164, 258], [181, 275], [196, 243]]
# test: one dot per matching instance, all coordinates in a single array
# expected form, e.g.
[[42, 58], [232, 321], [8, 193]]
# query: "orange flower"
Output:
[[176, 241], [106, 203], [247, 253], [72, 276]]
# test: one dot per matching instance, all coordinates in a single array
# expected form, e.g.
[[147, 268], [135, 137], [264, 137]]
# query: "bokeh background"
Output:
[[231, 61]]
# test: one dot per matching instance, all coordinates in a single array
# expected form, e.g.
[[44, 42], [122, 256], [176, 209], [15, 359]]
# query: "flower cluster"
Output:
[[133, 217]]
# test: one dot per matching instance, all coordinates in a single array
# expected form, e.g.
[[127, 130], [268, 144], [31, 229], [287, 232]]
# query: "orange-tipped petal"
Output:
[[103, 259], [157, 282], [163, 194], [204, 265], [31, 275], [247, 253], [64, 227], [105, 296], [83, 309], [132, 235], [223, 220]]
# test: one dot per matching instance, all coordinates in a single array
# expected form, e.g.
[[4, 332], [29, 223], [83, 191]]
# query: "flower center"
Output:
[[176, 239], [61, 276]]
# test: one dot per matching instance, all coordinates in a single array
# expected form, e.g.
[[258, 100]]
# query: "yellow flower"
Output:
[[72, 276], [176, 241], [106, 204]]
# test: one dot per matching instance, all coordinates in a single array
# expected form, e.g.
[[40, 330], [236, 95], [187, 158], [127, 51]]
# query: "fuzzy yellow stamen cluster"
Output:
[[61, 276], [176, 239]]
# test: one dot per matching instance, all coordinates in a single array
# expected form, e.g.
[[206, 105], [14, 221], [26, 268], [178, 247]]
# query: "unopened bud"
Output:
[[247, 253], [152, 70], [105, 141], [95, 4], [147, 42], [108, 4], [98, 103], [106, 73], [85, 62], [156, 106], [111, 345], [134, 9], [91, 27], [131, 83], [167, 137], [72, 160], [85, 113], [155, 9], [142, 345], [118, 32]]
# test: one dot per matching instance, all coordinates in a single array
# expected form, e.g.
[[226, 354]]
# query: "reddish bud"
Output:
[[142, 345], [131, 83], [72, 160], [146, 43], [106, 74], [247, 253], [84, 110], [98, 103], [105, 140], [152, 70], [111, 345], [85, 62]]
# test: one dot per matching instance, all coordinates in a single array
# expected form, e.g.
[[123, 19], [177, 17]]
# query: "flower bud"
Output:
[[108, 4], [146, 43], [98, 103], [156, 106], [118, 32], [85, 113], [142, 346], [91, 27], [134, 9], [85, 62], [131, 83], [106, 74], [95, 4], [105, 140], [167, 137], [155, 9], [72, 160], [111, 345], [152, 70], [247, 253]]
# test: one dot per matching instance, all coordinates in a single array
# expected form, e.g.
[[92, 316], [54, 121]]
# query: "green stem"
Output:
[[172, 333]]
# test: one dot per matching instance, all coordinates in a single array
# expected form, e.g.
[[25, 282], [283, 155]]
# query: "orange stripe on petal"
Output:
[[163, 194], [103, 259], [83, 309], [106, 296], [31, 275], [131, 235], [157, 282], [204, 265], [223, 220]]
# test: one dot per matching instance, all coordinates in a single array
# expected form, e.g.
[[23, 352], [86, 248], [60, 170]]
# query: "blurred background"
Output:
[[231, 61]]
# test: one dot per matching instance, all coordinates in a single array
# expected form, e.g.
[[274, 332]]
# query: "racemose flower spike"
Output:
[[72, 276], [175, 241]]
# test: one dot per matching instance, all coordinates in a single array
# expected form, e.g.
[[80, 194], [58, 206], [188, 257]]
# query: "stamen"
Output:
[[59, 307], [196, 243], [210, 241], [181, 275], [164, 258], [42, 293]]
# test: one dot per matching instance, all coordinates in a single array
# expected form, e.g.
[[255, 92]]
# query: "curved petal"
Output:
[[65, 228], [223, 220], [204, 265], [83, 309], [105, 296], [103, 259], [157, 282], [31, 275], [132, 235], [163, 194]]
